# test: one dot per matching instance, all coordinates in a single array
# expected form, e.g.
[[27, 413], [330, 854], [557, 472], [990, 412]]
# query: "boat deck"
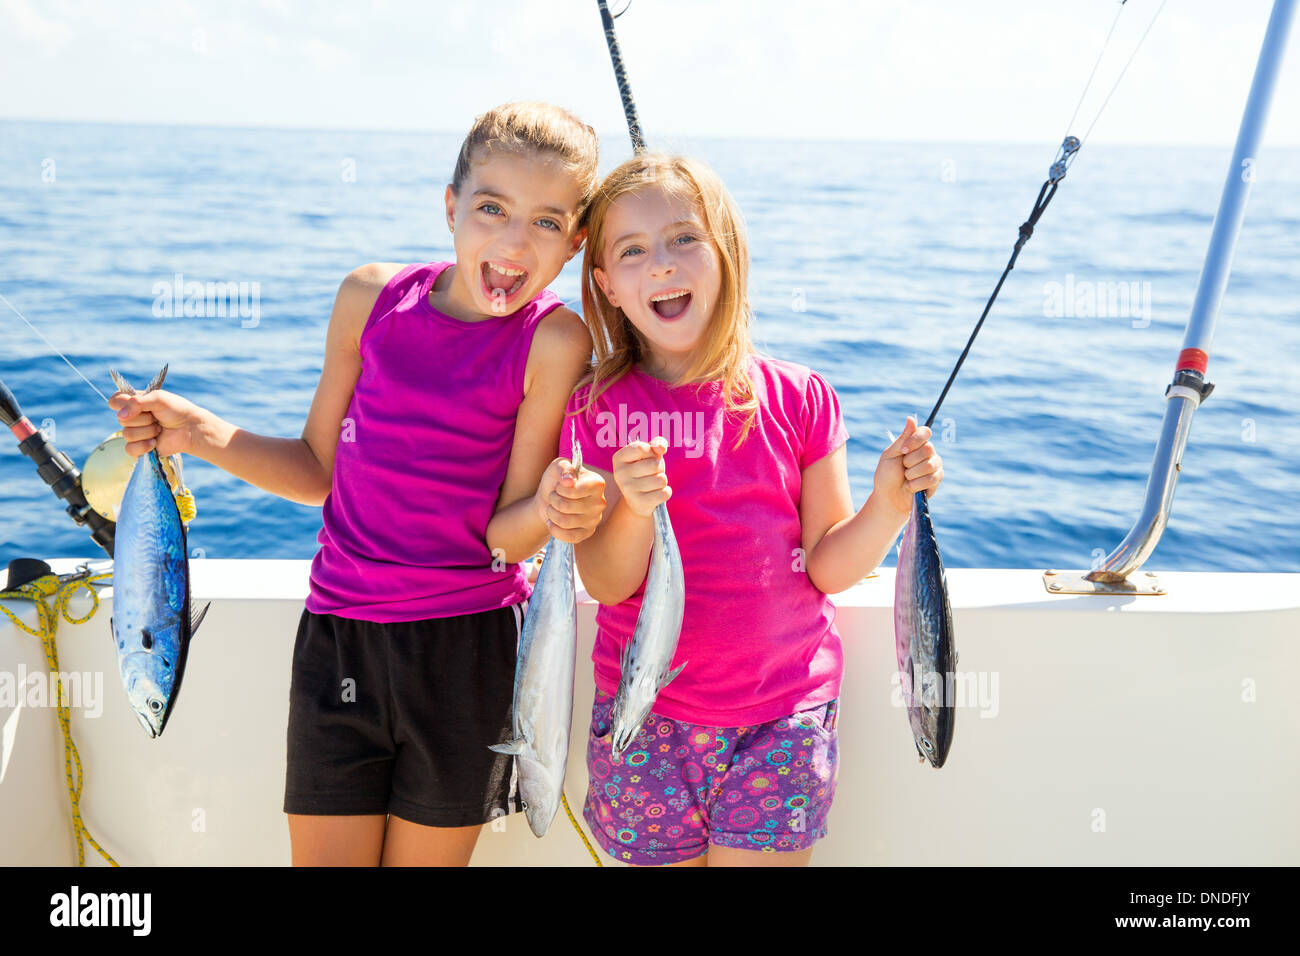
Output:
[[1090, 730]]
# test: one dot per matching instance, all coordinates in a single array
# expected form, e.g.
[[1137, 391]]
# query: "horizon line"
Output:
[[622, 133]]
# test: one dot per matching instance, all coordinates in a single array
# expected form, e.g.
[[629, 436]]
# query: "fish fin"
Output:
[[671, 674], [625, 657], [577, 448], [197, 619], [175, 461], [157, 380], [514, 747], [122, 384], [920, 757]]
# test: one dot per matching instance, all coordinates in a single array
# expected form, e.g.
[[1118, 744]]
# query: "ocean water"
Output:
[[870, 264]]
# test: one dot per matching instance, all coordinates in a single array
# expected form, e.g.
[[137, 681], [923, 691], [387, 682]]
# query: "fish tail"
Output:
[[577, 448], [122, 384]]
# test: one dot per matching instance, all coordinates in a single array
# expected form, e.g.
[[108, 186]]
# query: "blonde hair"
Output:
[[725, 345], [518, 127]]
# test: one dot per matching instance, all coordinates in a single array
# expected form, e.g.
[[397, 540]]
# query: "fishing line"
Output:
[[1141, 40], [1100, 53], [1065, 156], [52, 348]]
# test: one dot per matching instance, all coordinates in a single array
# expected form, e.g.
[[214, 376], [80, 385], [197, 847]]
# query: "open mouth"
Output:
[[502, 281], [670, 304]]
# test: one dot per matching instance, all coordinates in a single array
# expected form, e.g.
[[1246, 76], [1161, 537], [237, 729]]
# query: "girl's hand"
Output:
[[571, 506], [907, 466], [640, 475], [159, 420]]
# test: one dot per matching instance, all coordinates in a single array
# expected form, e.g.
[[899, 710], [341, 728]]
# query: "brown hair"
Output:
[[725, 344], [517, 127]]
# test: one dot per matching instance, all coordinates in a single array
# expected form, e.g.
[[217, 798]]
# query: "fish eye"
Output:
[[155, 705], [928, 745]]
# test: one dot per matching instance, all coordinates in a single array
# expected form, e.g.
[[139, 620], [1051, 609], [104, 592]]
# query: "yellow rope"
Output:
[[62, 590], [572, 819]]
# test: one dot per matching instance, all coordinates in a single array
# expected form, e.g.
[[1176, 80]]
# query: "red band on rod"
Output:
[[1193, 358], [22, 429]]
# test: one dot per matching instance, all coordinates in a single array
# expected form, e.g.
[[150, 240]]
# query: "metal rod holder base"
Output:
[[1076, 582]]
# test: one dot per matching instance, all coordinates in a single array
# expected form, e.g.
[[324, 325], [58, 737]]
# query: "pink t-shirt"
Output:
[[759, 637]]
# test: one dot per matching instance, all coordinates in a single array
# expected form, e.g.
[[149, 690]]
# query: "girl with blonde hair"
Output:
[[736, 763]]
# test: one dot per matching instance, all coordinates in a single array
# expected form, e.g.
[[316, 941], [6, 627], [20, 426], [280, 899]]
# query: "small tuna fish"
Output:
[[153, 619], [543, 701], [923, 637], [644, 668]]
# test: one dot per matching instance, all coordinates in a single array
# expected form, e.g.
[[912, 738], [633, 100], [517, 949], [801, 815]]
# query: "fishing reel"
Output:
[[55, 469], [107, 471], [94, 493]]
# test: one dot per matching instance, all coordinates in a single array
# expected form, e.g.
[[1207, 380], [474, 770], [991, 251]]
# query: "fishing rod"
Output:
[[1189, 389], [924, 637], [56, 470], [1065, 157], [620, 76]]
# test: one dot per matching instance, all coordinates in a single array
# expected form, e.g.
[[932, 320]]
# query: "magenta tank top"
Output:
[[421, 458]]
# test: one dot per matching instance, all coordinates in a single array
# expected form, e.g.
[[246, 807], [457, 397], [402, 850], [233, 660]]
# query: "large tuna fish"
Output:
[[153, 619], [923, 637], [543, 701], [644, 668]]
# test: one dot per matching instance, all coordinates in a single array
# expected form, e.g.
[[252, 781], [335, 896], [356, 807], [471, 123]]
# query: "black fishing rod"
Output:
[[1070, 147], [620, 76], [56, 470], [1054, 176]]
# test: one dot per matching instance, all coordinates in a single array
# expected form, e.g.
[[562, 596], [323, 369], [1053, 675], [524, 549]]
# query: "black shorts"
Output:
[[397, 718]]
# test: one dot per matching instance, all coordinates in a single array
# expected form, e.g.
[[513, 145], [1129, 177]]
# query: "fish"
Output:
[[924, 638], [543, 694], [645, 661], [153, 615]]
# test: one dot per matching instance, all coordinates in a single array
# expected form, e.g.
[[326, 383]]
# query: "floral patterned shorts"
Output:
[[681, 787]]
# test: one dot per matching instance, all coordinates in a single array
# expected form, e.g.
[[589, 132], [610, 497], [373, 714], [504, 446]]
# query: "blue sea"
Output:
[[870, 264]]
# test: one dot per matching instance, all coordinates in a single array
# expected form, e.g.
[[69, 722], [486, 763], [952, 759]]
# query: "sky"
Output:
[[924, 70]]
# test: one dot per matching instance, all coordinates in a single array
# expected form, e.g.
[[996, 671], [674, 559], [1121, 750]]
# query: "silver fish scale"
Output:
[[644, 667], [544, 674], [923, 637]]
